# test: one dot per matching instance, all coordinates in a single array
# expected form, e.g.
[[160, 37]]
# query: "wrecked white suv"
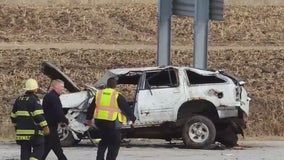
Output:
[[197, 106]]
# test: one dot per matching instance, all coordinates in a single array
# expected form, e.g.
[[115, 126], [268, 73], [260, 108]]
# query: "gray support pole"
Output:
[[201, 19], [164, 32]]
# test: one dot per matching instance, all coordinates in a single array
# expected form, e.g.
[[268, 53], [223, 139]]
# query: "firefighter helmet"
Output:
[[31, 85]]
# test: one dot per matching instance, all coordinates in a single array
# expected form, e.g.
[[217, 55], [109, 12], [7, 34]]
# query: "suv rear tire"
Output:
[[198, 132], [227, 137]]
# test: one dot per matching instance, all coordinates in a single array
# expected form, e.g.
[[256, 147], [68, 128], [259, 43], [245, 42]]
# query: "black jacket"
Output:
[[52, 107], [27, 116]]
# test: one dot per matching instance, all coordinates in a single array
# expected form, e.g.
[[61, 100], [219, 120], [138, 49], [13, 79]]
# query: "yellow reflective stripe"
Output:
[[19, 131], [98, 100], [13, 115], [108, 109], [33, 158], [112, 108], [19, 138], [96, 114], [37, 112], [26, 113], [107, 113], [111, 115], [43, 123], [30, 132], [22, 113], [112, 99]]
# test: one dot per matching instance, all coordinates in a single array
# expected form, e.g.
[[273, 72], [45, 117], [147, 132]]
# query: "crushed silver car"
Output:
[[197, 106]]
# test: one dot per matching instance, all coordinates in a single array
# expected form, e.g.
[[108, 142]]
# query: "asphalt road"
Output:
[[161, 150]]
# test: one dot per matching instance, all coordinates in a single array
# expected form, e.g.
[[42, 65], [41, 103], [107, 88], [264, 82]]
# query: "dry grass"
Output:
[[131, 23]]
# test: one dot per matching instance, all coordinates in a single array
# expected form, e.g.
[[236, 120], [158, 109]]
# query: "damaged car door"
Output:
[[153, 102]]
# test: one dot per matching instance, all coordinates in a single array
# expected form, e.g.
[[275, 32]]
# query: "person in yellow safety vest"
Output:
[[30, 124], [110, 110]]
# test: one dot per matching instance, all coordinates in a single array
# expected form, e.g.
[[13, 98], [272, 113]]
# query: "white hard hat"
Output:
[[31, 85]]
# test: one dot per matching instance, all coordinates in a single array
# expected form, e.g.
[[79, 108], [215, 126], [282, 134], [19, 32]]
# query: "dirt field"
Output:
[[94, 2], [78, 39]]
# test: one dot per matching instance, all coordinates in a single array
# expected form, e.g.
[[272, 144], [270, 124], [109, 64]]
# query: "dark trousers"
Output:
[[52, 142], [110, 140], [31, 151]]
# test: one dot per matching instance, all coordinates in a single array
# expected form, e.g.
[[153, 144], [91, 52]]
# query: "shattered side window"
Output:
[[127, 85], [128, 91], [162, 78], [195, 78]]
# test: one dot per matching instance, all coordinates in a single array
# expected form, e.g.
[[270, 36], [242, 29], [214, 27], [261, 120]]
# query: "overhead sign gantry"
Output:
[[202, 11]]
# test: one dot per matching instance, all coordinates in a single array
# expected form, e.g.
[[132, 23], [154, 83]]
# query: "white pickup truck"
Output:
[[198, 106]]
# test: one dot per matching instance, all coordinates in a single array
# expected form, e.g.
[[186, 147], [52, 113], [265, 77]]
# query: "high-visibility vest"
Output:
[[107, 107]]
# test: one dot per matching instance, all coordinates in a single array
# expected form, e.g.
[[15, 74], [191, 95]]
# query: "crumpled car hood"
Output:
[[54, 73]]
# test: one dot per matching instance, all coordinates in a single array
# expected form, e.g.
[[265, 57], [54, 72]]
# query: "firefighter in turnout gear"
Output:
[[30, 124], [110, 110]]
